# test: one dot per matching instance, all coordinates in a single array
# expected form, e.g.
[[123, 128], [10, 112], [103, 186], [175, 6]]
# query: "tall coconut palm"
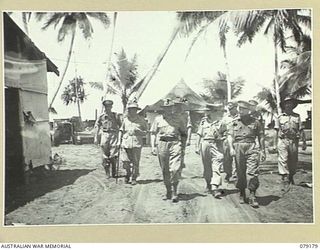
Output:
[[69, 23], [276, 22]]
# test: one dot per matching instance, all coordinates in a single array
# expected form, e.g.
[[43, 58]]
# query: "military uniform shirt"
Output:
[[211, 130], [133, 130], [108, 122], [169, 126], [289, 126], [245, 132]]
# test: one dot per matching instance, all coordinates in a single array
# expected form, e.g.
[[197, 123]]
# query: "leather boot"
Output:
[[175, 193], [242, 197], [285, 184], [253, 200], [216, 192], [208, 188], [113, 168]]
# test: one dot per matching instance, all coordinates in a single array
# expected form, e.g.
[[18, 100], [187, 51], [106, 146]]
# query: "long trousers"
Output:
[[169, 154], [212, 160], [247, 165]]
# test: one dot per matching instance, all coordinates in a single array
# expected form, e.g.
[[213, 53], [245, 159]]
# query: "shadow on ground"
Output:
[[186, 197], [41, 182], [266, 200], [148, 181]]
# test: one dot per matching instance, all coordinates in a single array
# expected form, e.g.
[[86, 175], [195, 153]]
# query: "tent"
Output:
[[194, 101]]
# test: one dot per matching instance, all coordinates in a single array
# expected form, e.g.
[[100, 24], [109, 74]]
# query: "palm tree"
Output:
[[201, 21], [122, 78], [68, 23], [277, 22], [74, 93], [216, 90]]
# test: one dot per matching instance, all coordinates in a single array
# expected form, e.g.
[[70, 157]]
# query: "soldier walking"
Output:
[[210, 146], [289, 132], [171, 133], [109, 123], [228, 164], [131, 133], [242, 134]]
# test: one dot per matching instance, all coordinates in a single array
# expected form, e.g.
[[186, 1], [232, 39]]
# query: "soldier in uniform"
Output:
[[172, 134], [255, 111], [109, 123], [289, 131], [242, 134], [210, 146], [131, 133], [180, 104], [228, 164]]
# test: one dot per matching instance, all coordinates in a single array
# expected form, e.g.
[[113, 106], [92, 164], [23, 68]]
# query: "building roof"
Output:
[[16, 42]]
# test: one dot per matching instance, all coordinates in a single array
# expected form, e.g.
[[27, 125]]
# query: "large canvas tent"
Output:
[[194, 101]]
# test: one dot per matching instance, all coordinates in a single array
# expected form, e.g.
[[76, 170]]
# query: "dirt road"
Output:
[[79, 193]]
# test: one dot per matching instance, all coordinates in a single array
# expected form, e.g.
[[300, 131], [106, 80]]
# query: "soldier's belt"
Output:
[[166, 139], [109, 131]]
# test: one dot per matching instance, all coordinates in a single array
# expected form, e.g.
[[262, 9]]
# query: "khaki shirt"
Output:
[[289, 126], [211, 130], [133, 129], [172, 126], [245, 132], [108, 122]]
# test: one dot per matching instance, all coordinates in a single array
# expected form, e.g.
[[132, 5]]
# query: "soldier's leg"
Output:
[[105, 153], [163, 156], [252, 174], [113, 153], [206, 162], [292, 159], [240, 162], [175, 168], [216, 163], [227, 160], [283, 154], [136, 154]]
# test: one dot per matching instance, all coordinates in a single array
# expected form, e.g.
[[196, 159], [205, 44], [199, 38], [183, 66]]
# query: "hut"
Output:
[[27, 132]]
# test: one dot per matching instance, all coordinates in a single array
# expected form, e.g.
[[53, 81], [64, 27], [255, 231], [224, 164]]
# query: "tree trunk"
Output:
[[65, 69], [25, 22], [146, 80], [276, 83], [111, 50], [79, 110], [229, 90]]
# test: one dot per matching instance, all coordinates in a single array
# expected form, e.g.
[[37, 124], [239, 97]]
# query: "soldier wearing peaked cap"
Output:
[[131, 133], [255, 111], [172, 134], [242, 134], [108, 123], [289, 132], [210, 145], [228, 163]]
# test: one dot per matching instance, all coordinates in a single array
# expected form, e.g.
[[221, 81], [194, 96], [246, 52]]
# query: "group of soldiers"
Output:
[[230, 140]]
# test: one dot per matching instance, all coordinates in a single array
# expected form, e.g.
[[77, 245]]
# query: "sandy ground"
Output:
[[77, 192]]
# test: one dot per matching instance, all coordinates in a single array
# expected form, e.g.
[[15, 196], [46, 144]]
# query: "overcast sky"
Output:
[[146, 34]]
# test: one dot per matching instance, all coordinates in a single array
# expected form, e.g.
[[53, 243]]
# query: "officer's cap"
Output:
[[253, 102], [107, 102], [245, 105], [167, 103], [232, 105], [133, 105]]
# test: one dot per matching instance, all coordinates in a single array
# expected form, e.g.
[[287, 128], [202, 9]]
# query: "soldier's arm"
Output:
[[261, 139], [120, 134], [276, 137], [230, 138], [153, 131], [302, 135], [200, 134]]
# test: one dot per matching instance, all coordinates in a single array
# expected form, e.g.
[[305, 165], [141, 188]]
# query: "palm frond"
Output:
[[96, 85], [68, 25], [102, 17], [84, 25]]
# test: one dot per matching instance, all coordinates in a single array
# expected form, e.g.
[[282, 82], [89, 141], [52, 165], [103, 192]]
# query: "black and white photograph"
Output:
[[158, 117]]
